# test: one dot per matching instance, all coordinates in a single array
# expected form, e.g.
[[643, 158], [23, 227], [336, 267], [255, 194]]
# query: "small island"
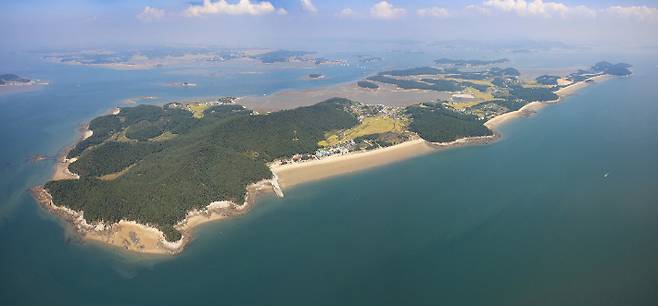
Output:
[[315, 76], [13, 83], [143, 177]]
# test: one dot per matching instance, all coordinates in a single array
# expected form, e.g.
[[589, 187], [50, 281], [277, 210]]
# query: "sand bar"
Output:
[[386, 95]]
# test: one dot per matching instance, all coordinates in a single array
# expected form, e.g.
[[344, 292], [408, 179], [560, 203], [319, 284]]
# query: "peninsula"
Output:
[[143, 177]]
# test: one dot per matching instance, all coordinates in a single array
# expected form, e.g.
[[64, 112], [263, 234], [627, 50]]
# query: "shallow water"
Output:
[[529, 220]]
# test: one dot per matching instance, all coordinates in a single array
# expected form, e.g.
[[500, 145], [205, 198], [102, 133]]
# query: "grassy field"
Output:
[[115, 175], [534, 84], [369, 126], [463, 105], [121, 137], [197, 109], [479, 82], [164, 137], [481, 95]]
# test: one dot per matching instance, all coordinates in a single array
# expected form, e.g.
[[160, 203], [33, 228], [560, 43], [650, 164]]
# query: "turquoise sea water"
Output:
[[529, 220]]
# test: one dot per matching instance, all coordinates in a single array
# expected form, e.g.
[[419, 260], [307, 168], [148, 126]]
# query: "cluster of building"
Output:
[[341, 149], [206, 103]]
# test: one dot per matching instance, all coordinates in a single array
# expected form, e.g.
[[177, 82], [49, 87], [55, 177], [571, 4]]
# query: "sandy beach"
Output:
[[302, 172], [524, 111], [571, 89]]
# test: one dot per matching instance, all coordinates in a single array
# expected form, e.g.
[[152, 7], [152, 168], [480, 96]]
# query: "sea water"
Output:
[[563, 210]]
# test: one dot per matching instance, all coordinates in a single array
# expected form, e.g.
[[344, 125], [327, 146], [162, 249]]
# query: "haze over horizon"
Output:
[[294, 23]]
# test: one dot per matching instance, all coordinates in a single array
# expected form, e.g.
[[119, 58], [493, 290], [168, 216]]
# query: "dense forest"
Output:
[[547, 79], [366, 84], [434, 122], [612, 69], [214, 159]]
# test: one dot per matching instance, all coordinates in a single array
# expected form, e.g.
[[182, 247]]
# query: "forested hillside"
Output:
[[209, 159]]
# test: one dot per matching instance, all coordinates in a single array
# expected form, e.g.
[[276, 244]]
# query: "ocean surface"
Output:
[[562, 211]]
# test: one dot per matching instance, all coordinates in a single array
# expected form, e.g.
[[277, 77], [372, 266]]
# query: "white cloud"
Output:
[[346, 12], [533, 8], [385, 10], [581, 10], [281, 11], [308, 6], [643, 13], [150, 14], [523, 8], [243, 7], [478, 9], [434, 11]]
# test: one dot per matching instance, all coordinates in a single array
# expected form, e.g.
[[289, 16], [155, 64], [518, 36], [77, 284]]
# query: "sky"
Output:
[[279, 23]]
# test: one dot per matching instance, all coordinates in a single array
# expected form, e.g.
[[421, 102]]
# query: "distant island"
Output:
[[163, 57], [462, 62], [13, 83], [182, 84], [315, 76], [366, 59], [144, 176], [367, 84]]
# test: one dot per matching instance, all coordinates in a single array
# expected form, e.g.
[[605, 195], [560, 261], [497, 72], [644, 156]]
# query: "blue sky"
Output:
[[38, 23]]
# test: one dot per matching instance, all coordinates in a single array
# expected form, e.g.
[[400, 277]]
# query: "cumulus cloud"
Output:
[[532, 8], [243, 7], [478, 9], [642, 13], [581, 10], [435, 11], [346, 12], [150, 14], [385, 10], [524, 8], [308, 6]]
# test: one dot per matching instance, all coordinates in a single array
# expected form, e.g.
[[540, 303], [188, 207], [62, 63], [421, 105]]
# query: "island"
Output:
[[142, 177], [315, 76], [143, 59], [367, 84], [463, 62], [10, 83]]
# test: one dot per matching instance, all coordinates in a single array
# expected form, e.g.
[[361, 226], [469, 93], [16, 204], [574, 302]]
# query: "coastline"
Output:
[[524, 111], [302, 172], [147, 239]]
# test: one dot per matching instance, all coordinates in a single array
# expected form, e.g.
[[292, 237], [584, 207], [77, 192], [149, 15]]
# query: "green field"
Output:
[[197, 109], [369, 126]]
